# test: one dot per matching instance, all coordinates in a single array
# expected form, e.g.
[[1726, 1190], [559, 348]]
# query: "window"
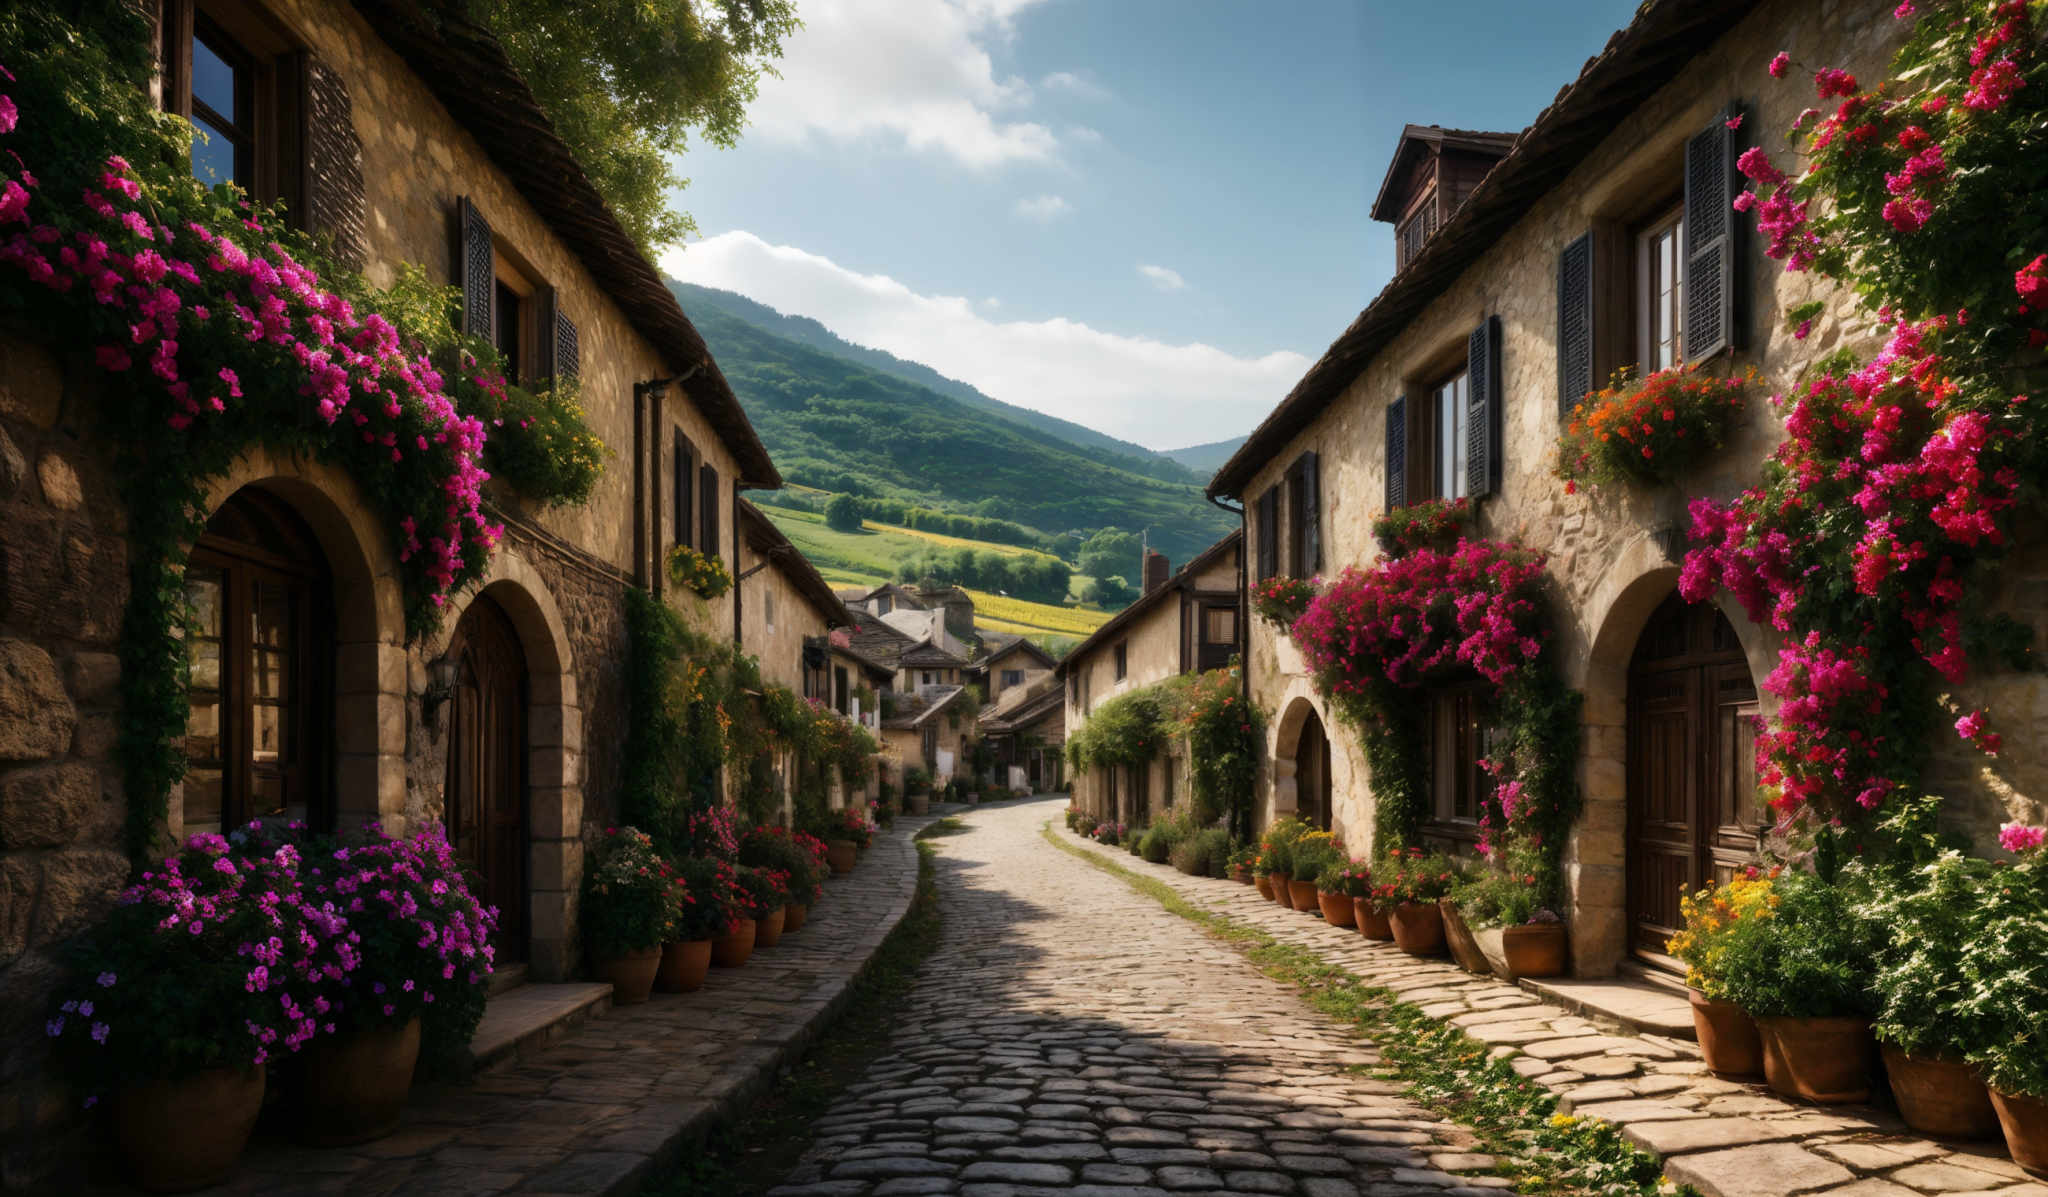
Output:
[[1266, 516], [839, 689], [682, 471], [241, 79], [508, 325], [929, 742], [707, 510], [1219, 625], [223, 108], [1420, 227], [515, 317], [1166, 791], [1304, 516], [1460, 736], [1123, 661], [1013, 677], [261, 658], [768, 608], [1216, 634], [1447, 434], [1660, 292]]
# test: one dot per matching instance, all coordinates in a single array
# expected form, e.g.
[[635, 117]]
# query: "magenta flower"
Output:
[[2017, 837]]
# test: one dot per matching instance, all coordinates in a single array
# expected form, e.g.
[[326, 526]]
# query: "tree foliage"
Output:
[[842, 514], [624, 81]]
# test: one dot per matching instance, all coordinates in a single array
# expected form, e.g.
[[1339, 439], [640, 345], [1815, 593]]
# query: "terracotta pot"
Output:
[[732, 949], [921, 804], [1418, 928], [793, 917], [768, 930], [1527, 950], [1728, 1036], [1302, 896], [187, 1133], [1939, 1097], [1371, 920], [1826, 1061], [683, 966], [841, 854], [355, 1084], [1278, 882], [631, 975], [1265, 885], [1464, 948], [1241, 875], [2025, 1120], [1336, 908]]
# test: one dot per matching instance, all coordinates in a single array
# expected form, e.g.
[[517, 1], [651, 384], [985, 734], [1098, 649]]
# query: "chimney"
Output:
[[1156, 571]]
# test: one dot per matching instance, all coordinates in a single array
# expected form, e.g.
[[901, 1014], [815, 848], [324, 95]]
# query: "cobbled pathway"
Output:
[[1072, 1037]]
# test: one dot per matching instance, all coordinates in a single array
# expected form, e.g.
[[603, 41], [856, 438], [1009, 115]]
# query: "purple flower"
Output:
[[99, 1032], [55, 1026], [106, 980]]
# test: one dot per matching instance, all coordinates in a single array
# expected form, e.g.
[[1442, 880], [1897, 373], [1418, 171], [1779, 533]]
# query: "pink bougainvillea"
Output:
[[2018, 837]]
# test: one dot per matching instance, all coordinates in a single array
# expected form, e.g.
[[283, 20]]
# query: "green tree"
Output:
[[1111, 551], [842, 514], [624, 81]]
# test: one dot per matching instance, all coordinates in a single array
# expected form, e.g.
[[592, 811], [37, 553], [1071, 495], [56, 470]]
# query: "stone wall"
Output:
[[1608, 554]]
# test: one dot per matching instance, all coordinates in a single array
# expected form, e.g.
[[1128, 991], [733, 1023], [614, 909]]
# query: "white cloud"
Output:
[[1074, 85], [915, 73], [1162, 277], [991, 302], [1143, 389], [1084, 135], [1042, 208]]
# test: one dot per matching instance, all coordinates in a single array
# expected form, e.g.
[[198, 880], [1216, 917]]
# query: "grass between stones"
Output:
[[752, 1152], [1445, 1069]]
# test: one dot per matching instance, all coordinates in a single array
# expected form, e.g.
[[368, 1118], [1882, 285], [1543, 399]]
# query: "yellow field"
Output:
[[1006, 614]]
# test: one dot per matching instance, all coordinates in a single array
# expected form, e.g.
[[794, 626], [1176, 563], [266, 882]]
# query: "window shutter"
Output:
[[332, 182], [476, 267], [1397, 453], [681, 468], [568, 360], [1309, 556], [1713, 282], [1482, 409], [558, 341], [1574, 324], [1269, 535], [707, 540]]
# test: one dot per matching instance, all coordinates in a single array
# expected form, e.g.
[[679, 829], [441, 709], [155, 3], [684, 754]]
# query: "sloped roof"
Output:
[[1049, 699], [468, 71], [995, 645], [877, 641], [1418, 139], [769, 541], [931, 655], [1638, 60], [1179, 581], [913, 709]]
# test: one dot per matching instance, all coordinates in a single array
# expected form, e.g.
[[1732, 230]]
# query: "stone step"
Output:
[[1644, 1007], [527, 1017]]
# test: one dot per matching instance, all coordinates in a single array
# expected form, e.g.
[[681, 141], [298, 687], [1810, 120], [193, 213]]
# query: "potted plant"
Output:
[[1418, 879], [1262, 874], [1647, 430], [1277, 845], [1107, 833], [736, 946], [423, 945], [172, 1011], [1338, 886], [845, 832], [768, 897], [703, 912], [2011, 925], [1311, 854], [1242, 858], [775, 849], [807, 886], [1514, 930], [917, 791], [1727, 1035], [1373, 912], [1801, 967], [628, 909]]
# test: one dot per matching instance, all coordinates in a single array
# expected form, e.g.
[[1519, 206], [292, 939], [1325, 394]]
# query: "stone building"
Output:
[[1006, 661], [1599, 237], [1026, 731], [407, 140], [928, 728], [1187, 622]]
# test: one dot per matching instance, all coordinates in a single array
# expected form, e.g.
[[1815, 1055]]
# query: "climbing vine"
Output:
[[214, 328], [1901, 478], [1225, 733]]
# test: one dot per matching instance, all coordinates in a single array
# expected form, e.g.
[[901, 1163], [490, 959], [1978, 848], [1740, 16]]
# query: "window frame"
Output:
[[512, 276], [1458, 384], [1122, 657], [273, 55], [1464, 710], [1644, 297]]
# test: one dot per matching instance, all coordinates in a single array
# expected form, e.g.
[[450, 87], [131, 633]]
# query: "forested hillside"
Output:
[[806, 331], [833, 423]]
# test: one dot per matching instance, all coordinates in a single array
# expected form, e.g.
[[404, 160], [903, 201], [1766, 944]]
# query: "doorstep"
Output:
[[1641, 1004], [525, 1017]]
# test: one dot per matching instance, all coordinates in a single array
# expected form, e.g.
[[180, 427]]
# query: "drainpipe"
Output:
[[647, 397], [1244, 607]]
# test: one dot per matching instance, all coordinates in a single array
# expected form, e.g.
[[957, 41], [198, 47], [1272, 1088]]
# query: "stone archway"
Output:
[[554, 751], [1642, 576], [368, 615], [1300, 727]]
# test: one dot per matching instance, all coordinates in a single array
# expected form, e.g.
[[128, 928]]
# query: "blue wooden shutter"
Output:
[[1482, 409]]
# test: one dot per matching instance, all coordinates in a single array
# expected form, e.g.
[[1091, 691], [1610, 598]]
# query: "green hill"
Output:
[[806, 331], [1206, 459], [836, 424]]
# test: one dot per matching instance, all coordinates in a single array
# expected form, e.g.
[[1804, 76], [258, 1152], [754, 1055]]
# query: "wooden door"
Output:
[[1693, 811], [486, 800], [1312, 774]]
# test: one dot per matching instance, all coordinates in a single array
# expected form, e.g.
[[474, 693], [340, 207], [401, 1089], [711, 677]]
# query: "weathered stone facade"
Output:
[[1614, 555], [560, 578]]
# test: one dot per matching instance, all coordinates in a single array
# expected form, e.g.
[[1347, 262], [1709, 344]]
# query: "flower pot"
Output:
[[1302, 896], [1371, 920], [1265, 886], [187, 1133], [1527, 950], [2025, 1120], [1464, 948], [1278, 882], [631, 975], [1241, 875], [1336, 908], [1418, 928], [1825, 1061], [841, 854], [731, 949], [793, 917], [768, 929], [1940, 1097], [355, 1084], [921, 804], [683, 966], [1728, 1036]]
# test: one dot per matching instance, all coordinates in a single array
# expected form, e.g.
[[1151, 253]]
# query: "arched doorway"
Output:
[[259, 717], [1312, 773], [1692, 804], [486, 800]]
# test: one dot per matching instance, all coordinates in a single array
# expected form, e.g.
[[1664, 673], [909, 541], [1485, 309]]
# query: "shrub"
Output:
[[628, 899], [777, 850], [1808, 954], [842, 514], [2001, 965], [1710, 917], [761, 892], [1157, 843], [1107, 832], [704, 893], [1207, 851]]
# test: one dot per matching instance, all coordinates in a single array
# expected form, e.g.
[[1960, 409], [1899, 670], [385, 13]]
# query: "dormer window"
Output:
[[1416, 231], [1433, 170]]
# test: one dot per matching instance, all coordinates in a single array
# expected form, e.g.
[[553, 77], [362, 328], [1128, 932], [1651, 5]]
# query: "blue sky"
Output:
[[1148, 216]]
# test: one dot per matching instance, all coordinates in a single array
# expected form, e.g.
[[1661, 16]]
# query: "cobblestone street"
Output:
[[1071, 1036]]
